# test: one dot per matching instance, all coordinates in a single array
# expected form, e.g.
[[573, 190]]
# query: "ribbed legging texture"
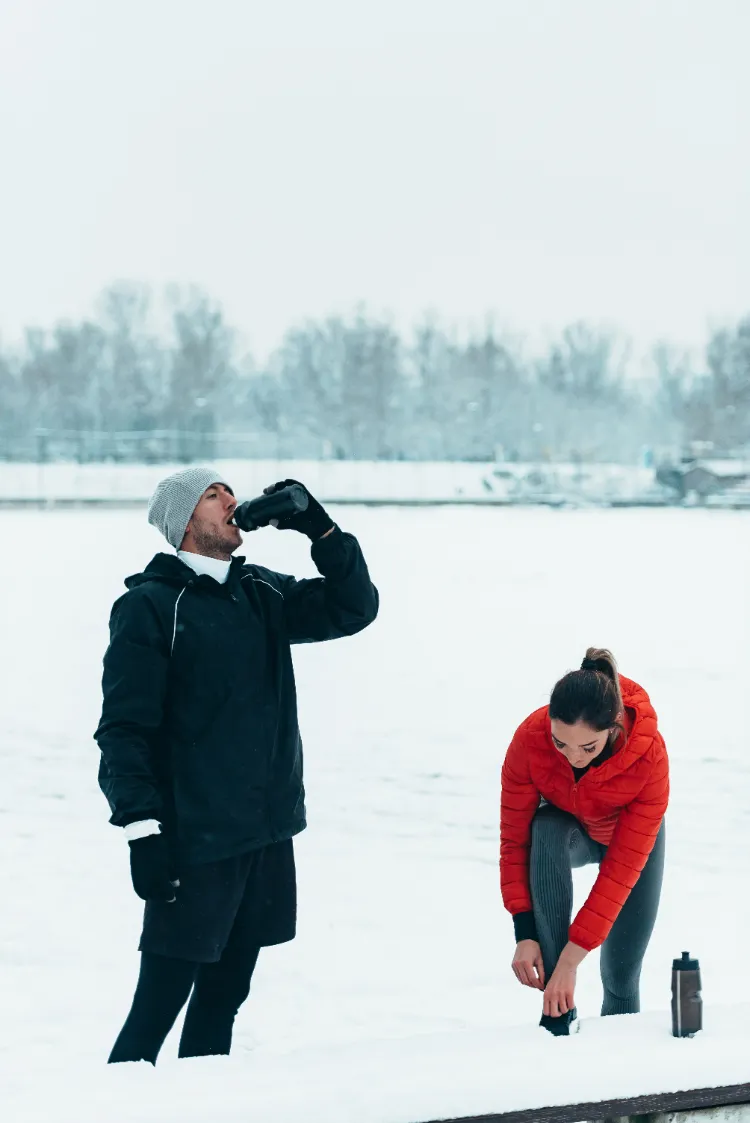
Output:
[[559, 844]]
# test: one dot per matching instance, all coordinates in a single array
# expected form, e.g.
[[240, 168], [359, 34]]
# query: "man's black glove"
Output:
[[314, 522], [151, 868]]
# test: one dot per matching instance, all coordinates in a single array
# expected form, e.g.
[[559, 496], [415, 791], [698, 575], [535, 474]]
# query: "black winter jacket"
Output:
[[199, 721]]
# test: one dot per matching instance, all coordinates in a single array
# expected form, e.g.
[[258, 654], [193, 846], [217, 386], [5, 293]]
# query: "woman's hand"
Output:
[[527, 964], [559, 994]]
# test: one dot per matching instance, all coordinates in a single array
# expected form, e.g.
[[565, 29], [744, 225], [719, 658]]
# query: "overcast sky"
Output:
[[542, 160]]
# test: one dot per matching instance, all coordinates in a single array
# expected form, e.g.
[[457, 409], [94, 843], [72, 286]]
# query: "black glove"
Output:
[[313, 522], [151, 868]]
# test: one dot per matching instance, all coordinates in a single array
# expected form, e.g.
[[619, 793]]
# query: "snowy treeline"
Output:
[[150, 379]]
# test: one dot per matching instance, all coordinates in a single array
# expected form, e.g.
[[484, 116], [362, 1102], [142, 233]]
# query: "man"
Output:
[[201, 758]]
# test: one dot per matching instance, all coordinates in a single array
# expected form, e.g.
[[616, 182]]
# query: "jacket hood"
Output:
[[641, 738], [169, 569], [643, 733]]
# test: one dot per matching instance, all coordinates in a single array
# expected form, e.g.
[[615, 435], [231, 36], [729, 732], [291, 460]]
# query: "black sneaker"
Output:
[[562, 1025]]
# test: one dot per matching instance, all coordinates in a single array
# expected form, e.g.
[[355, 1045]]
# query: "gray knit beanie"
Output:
[[171, 506]]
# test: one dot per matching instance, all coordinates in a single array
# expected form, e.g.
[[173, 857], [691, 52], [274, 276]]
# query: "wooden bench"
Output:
[[639, 1109]]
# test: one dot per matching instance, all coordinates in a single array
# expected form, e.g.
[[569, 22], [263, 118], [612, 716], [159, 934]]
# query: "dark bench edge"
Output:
[[688, 1100]]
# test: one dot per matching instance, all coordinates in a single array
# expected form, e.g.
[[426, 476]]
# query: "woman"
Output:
[[585, 779]]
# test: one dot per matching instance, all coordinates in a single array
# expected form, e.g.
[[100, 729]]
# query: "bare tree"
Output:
[[201, 372], [342, 383], [11, 405], [351, 387], [585, 364], [135, 390], [728, 361]]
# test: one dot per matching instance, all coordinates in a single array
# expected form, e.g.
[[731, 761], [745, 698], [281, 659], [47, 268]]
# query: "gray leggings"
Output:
[[559, 844]]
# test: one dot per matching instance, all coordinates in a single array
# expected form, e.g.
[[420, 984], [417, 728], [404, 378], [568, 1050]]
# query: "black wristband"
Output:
[[524, 926]]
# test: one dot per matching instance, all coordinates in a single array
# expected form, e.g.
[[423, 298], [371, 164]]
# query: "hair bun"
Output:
[[595, 699], [601, 660]]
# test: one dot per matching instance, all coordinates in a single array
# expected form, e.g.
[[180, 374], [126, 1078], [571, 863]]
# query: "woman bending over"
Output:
[[585, 779]]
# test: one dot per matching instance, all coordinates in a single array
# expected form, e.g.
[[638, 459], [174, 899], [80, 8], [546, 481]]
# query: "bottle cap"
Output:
[[685, 963]]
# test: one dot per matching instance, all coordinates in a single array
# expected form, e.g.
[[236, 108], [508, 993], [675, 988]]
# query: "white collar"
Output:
[[213, 567]]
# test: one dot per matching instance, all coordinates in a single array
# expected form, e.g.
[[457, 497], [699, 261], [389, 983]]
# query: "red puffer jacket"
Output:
[[621, 804]]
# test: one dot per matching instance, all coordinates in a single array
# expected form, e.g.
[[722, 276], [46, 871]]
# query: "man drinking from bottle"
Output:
[[201, 758]]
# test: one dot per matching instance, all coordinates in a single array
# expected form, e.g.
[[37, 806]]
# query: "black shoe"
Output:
[[559, 1026]]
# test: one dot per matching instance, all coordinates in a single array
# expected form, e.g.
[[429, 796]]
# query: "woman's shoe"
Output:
[[562, 1025]]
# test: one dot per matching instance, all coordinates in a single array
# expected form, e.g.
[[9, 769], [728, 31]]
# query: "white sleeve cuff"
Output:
[[142, 829]]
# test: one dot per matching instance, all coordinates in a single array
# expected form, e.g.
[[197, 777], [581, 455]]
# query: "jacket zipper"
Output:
[[269, 820]]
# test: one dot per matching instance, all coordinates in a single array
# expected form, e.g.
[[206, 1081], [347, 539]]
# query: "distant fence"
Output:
[[385, 482], [131, 446], [337, 481]]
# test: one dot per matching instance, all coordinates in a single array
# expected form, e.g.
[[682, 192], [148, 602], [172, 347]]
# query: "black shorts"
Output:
[[254, 894]]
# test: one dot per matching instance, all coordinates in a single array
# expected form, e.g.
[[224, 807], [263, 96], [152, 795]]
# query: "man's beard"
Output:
[[214, 544]]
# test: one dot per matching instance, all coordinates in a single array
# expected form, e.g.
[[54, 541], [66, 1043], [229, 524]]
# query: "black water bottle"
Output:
[[279, 505], [687, 1003]]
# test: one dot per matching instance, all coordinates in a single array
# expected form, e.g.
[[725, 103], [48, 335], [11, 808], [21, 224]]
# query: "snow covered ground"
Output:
[[347, 481], [402, 932]]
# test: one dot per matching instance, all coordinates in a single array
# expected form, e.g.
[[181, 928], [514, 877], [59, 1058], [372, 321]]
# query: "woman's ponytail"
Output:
[[591, 695]]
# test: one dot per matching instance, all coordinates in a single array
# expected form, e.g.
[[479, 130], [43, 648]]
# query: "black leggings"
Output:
[[164, 984], [558, 845]]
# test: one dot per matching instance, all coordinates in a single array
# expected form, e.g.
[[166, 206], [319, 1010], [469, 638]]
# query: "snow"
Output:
[[337, 479], [396, 1003], [438, 1076]]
